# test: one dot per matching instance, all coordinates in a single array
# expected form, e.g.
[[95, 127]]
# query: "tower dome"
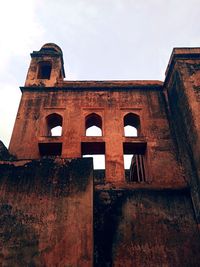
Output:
[[51, 47]]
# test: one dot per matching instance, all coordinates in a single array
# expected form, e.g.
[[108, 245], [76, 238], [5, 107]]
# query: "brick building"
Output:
[[141, 212]]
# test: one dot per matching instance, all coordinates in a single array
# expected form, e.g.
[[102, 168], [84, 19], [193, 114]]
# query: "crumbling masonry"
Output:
[[56, 211]]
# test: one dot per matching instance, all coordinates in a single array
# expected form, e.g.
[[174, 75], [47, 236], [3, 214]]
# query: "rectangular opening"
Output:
[[134, 162], [44, 71], [134, 148], [50, 149], [95, 150], [98, 161]]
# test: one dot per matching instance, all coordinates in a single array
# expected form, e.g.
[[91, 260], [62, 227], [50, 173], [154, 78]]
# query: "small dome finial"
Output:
[[52, 47]]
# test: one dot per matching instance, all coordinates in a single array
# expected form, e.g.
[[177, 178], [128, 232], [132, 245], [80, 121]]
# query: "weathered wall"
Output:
[[184, 107], [112, 104], [46, 218], [46, 213], [145, 228]]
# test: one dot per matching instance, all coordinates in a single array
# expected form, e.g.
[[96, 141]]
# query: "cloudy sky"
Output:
[[100, 39]]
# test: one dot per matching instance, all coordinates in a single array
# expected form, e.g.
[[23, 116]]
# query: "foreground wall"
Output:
[[46, 213], [145, 228]]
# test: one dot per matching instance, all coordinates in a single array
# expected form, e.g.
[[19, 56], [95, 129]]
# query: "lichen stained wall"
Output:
[[46, 213], [136, 228]]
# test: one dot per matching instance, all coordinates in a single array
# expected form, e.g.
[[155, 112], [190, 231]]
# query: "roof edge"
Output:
[[180, 53], [107, 84]]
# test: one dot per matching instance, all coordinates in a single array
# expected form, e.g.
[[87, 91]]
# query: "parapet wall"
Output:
[[46, 213]]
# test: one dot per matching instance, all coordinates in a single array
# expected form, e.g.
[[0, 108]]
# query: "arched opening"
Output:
[[54, 124], [131, 125], [44, 70], [93, 125]]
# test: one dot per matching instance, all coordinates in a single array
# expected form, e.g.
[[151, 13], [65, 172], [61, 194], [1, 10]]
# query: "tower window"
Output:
[[54, 125], [44, 70], [131, 125], [93, 125]]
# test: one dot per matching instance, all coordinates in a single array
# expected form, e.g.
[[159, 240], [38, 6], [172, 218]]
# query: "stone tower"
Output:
[[145, 211]]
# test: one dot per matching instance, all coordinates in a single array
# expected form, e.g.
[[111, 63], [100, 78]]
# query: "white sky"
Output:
[[100, 39]]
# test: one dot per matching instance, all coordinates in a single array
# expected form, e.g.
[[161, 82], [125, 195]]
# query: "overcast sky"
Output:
[[100, 39]]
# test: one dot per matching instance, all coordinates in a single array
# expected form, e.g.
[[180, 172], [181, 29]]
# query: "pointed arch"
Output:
[[131, 125], [54, 123], [93, 125]]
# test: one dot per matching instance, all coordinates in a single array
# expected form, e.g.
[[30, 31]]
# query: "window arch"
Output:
[[131, 125], [54, 124], [93, 125], [44, 70]]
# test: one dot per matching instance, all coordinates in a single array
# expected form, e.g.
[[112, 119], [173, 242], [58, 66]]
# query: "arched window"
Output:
[[54, 124], [44, 70], [131, 125], [93, 125]]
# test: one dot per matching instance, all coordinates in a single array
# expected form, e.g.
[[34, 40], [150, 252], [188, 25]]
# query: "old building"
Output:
[[144, 212]]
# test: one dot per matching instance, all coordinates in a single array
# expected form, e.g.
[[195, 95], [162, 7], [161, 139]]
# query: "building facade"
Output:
[[144, 212]]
